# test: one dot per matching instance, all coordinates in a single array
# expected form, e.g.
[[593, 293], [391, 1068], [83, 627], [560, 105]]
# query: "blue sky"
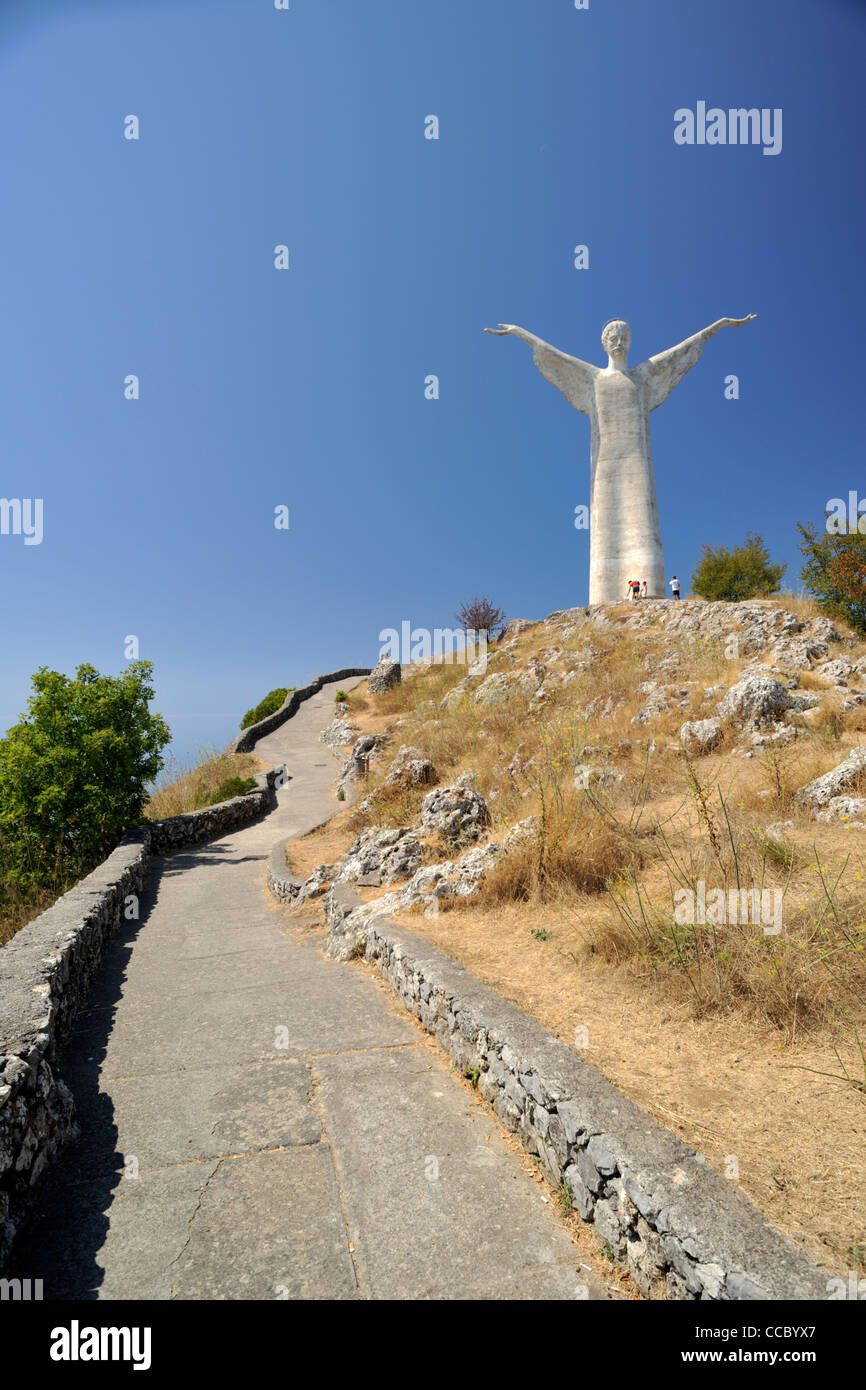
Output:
[[306, 387]]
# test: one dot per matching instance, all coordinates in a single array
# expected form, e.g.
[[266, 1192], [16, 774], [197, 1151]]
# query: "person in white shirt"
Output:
[[675, 587]]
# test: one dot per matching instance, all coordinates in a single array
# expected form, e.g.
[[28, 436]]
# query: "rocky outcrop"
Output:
[[658, 700], [844, 808], [458, 813], [339, 733], [850, 773], [381, 856], [754, 701], [384, 677], [500, 686], [700, 736], [410, 768]]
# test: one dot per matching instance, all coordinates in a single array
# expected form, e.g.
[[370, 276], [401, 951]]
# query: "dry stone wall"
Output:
[[45, 974], [675, 1222], [248, 738], [46, 971]]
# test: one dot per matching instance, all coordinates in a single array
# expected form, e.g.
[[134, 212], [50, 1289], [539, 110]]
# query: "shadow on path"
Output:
[[67, 1225]]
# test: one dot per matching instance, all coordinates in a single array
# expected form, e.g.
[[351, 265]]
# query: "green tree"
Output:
[[835, 572], [734, 575], [74, 774], [269, 705]]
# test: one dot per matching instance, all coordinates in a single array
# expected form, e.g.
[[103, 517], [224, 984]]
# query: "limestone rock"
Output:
[[392, 855], [838, 671], [457, 813], [410, 768], [842, 808], [776, 831], [841, 779], [754, 701], [659, 701], [524, 830], [318, 882], [700, 736], [517, 625], [369, 746], [803, 700], [339, 733], [384, 677]]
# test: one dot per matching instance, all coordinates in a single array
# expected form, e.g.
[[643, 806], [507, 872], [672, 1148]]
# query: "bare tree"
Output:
[[482, 615]]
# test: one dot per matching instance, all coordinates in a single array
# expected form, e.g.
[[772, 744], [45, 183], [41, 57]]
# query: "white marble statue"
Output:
[[625, 538]]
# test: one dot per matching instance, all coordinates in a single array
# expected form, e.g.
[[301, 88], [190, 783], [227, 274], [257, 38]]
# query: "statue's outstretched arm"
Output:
[[667, 369], [569, 375]]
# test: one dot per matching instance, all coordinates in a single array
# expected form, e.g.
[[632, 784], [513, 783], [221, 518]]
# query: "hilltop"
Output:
[[645, 824]]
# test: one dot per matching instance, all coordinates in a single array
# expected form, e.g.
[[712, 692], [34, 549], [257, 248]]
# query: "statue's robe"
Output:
[[625, 537]]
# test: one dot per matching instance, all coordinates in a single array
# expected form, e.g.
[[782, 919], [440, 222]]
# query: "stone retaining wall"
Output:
[[45, 974], [675, 1222], [249, 737], [47, 968], [281, 881]]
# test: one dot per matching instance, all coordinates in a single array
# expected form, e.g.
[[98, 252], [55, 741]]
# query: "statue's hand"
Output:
[[503, 328], [735, 323]]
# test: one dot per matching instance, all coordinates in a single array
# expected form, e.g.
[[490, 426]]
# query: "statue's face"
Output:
[[616, 338]]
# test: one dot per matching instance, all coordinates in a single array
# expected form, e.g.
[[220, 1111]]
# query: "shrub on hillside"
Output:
[[203, 779], [233, 786], [269, 705], [481, 615], [835, 573], [734, 575], [74, 775]]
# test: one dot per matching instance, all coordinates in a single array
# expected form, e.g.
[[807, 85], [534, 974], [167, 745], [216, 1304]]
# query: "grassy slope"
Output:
[[577, 925]]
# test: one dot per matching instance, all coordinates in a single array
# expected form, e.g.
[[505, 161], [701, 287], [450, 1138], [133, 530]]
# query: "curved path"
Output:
[[259, 1122]]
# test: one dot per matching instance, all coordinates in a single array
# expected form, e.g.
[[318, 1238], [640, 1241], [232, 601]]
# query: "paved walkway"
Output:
[[259, 1122]]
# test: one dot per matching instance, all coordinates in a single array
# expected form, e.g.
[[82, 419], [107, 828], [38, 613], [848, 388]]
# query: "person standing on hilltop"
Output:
[[675, 587], [643, 590]]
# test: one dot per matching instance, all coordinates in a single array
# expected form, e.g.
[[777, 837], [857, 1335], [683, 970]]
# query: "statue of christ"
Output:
[[625, 538]]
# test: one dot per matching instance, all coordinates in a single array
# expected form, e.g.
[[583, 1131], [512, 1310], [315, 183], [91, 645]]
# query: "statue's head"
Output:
[[616, 339]]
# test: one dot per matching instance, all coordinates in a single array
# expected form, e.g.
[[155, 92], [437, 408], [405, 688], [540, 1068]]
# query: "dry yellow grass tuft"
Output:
[[647, 822], [746, 1040], [190, 784]]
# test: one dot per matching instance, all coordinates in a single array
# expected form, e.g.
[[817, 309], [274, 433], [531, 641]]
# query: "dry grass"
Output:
[[16, 912], [193, 783], [746, 1042], [580, 856], [615, 854]]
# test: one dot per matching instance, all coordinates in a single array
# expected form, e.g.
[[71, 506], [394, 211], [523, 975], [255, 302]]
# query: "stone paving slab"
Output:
[[94, 1241], [162, 1120], [189, 1031], [438, 1207], [269, 1227]]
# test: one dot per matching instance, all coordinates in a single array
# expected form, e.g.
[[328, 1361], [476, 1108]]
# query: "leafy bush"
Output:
[[340, 698], [74, 775], [835, 573], [734, 575], [269, 705], [198, 780], [233, 786]]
